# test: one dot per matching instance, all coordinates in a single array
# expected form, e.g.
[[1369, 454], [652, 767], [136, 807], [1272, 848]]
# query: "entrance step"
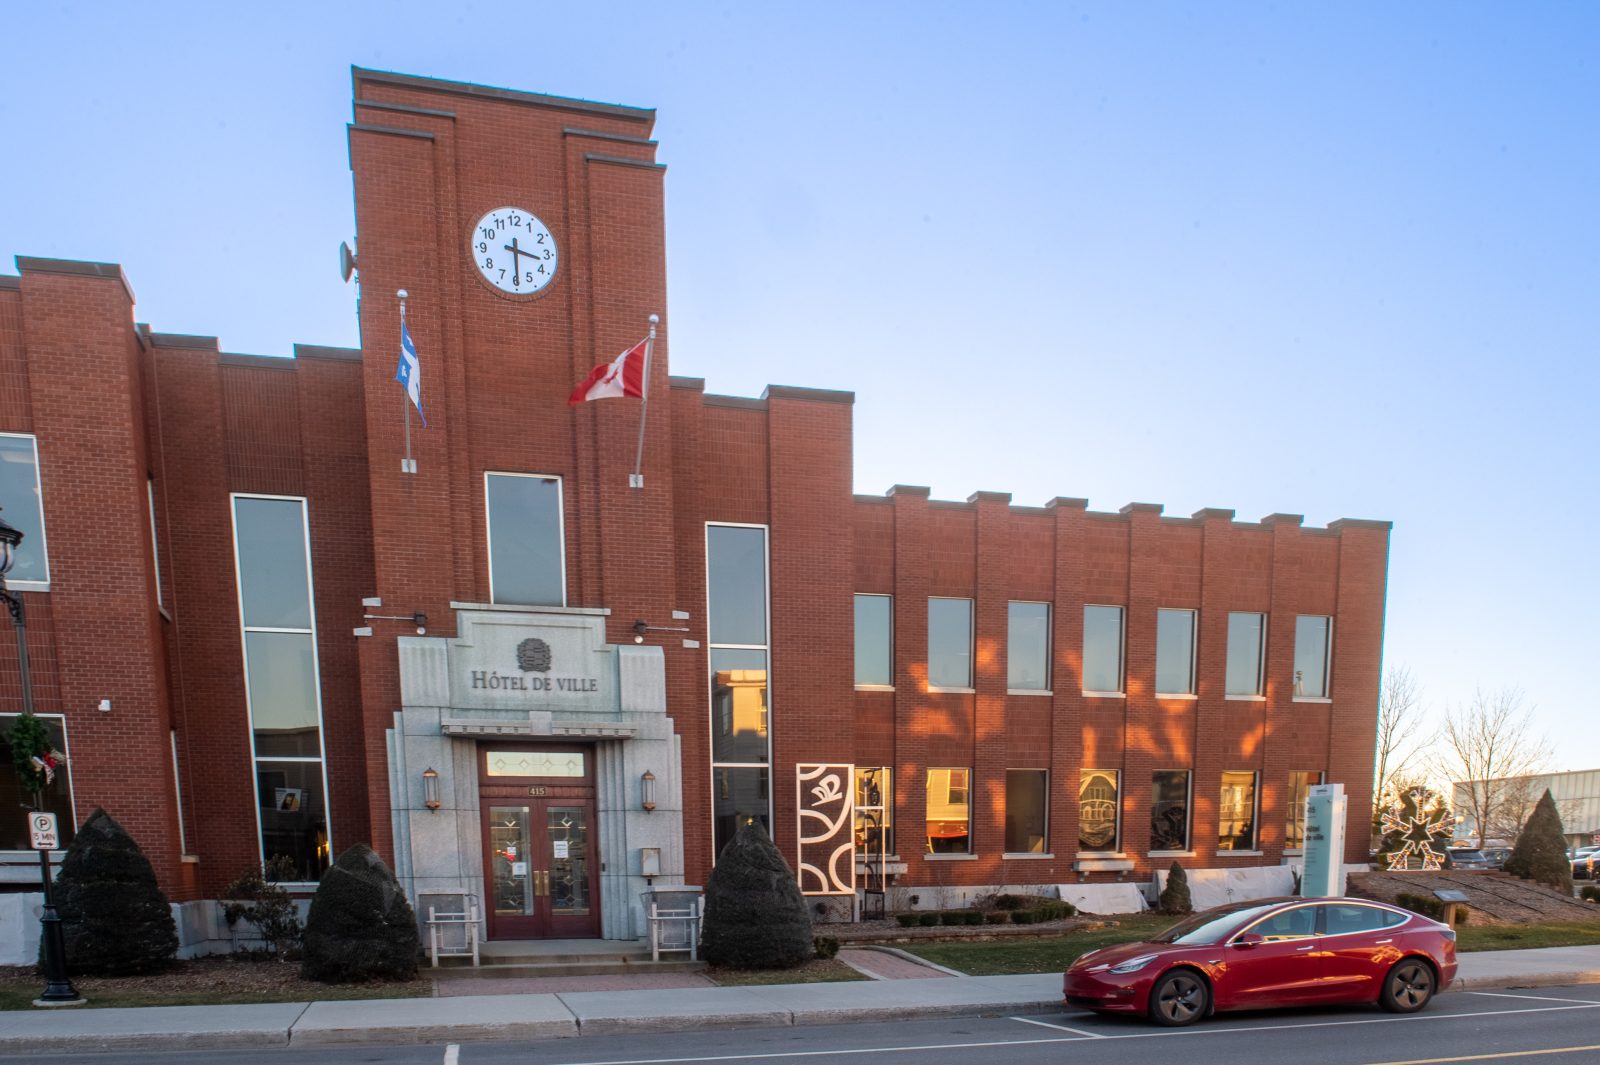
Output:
[[453, 967], [565, 957]]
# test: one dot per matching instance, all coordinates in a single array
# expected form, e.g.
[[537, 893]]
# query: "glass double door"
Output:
[[540, 868]]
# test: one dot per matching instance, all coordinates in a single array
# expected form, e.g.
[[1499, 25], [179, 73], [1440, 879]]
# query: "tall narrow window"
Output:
[[1311, 656], [949, 643], [1175, 652], [736, 620], [527, 547], [57, 797], [874, 641], [1236, 813], [272, 555], [949, 815], [1245, 643], [1169, 810], [24, 508], [1300, 783], [1028, 647], [874, 812], [1102, 649], [1098, 820], [1027, 795]]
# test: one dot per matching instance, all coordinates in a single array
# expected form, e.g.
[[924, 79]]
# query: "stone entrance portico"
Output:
[[538, 675]]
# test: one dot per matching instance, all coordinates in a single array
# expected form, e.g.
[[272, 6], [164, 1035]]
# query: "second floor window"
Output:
[[949, 643], [527, 550], [1028, 647], [1102, 649], [1245, 642], [1175, 652], [20, 496], [1311, 634], [874, 641]]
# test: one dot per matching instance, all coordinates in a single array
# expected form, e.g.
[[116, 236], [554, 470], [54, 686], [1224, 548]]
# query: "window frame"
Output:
[[316, 672], [1049, 644], [17, 584], [1289, 818], [1325, 695], [972, 640], [155, 544], [713, 787], [1188, 813], [1044, 798], [561, 525], [868, 687], [1121, 689], [1194, 652], [927, 795], [1260, 692], [1255, 813]]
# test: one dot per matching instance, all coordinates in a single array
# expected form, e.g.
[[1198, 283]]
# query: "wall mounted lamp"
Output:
[[430, 788], [647, 791], [642, 626]]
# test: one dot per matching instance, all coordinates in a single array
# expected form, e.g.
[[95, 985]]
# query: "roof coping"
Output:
[[815, 395], [27, 264], [467, 88]]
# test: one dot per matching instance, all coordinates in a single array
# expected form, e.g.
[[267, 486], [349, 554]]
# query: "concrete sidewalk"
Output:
[[572, 1014]]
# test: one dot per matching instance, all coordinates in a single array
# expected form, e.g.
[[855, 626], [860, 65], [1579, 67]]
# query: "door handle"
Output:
[[1385, 941], [1308, 946]]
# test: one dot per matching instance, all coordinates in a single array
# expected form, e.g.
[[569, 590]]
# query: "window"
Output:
[[736, 620], [272, 556], [1245, 641], [874, 812], [57, 797], [1169, 810], [1300, 782], [1236, 814], [1027, 794], [155, 544], [1097, 810], [1175, 652], [527, 548], [949, 812], [1342, 918], [1028, 647], [24, 508], [1311, 634], [1298, 923], [874, 641], [1102, 649], [949, 643]]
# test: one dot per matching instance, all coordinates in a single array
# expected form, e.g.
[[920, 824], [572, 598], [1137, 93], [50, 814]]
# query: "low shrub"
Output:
[[257, 898], [360, 926], [908, 920], [928, 920], [953, 917], [972, 916], [826, 946], [998, 917], [1591, 892], [1009, 902], [1024, 917], [1426, 905]]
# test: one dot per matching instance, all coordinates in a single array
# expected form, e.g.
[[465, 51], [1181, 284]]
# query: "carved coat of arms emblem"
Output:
[[533, 655]]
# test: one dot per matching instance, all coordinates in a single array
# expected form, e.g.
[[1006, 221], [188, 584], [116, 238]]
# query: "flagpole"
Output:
[[636, 479], [406, 464]]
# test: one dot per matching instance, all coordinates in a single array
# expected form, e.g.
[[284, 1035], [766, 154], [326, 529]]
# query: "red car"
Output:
[[1270, 952]]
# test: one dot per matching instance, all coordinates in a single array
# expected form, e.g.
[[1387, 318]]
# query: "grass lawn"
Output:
[[820, 971], [1055, 953]]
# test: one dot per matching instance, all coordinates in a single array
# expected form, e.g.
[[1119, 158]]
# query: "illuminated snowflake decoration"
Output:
[[1417, 833]]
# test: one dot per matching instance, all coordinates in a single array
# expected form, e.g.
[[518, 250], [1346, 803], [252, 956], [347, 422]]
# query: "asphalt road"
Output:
[[1547, 1026]]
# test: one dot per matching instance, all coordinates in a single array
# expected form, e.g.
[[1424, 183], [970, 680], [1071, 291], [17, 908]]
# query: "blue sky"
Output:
[[1342, 262]]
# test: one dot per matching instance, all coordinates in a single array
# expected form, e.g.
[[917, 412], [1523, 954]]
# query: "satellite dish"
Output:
[[347, 261]]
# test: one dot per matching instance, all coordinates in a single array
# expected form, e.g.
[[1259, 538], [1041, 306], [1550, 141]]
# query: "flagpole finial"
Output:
[[655, 319], [402, 294]]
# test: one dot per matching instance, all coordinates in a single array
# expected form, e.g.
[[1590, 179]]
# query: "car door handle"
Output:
[[1308, 946], [1382, 941]]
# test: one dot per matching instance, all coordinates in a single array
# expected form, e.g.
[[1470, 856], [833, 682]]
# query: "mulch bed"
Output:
[[1493, 897], [216, 978]]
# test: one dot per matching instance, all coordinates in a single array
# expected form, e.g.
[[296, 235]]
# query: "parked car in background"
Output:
[[1270, 952], [1583, 867], [1467, 858]]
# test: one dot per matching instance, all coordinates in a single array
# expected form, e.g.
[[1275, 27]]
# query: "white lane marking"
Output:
[[1533, 998], [452, 1054], [1060, 1028], [1163, 1034]]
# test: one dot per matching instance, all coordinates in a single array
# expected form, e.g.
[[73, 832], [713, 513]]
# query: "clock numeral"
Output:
[[547, 253], [540, 239], [530, 277], [483, 246], [516, 280], [488, 264], [488, 232], [541, 268], [516, 221], [502, 273]]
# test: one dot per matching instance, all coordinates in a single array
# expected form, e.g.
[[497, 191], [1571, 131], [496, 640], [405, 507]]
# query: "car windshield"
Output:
[[1213, 926], [1466, 856]]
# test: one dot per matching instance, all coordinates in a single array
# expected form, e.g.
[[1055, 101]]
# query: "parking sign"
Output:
[[42, 831]]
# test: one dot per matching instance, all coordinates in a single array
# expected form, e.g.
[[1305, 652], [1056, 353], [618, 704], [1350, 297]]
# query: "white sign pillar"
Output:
[[1326, 809]]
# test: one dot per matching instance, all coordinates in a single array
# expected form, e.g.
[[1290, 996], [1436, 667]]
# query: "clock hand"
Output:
[[515, 251]]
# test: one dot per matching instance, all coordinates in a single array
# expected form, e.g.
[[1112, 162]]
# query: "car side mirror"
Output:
[[1248, 940]]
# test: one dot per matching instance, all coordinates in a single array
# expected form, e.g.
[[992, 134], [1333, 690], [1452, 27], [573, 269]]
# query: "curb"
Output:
[[1475, 983]]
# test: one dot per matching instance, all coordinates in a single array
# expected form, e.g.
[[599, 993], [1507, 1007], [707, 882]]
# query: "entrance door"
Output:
[[540, 850]]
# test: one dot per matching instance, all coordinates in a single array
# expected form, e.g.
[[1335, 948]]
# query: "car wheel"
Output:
[[1180, 997], [1408, 987]]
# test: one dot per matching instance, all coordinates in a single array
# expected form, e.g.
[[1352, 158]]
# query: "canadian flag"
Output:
[[622, 376]]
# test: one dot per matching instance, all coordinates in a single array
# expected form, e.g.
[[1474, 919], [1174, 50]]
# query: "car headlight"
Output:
[[1133, 965]]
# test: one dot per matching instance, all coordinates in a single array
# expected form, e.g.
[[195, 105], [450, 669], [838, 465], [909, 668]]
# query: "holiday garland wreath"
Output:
[[34, 756]]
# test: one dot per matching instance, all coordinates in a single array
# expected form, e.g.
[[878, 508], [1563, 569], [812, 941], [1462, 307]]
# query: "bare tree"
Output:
[[1400, 736], [1488, 747]]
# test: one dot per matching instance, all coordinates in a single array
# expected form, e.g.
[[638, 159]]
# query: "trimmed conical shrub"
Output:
[[1175, 896], [1541, 850], [360, 926], [114, 918], [755, 916]]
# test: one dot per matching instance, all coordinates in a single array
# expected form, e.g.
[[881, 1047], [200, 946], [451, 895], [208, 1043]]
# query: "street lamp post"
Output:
[[58, 989]]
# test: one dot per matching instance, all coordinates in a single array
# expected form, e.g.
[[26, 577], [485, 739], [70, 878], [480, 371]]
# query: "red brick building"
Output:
[[259, 633]]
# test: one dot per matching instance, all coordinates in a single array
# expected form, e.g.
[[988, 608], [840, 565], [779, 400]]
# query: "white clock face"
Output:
[[514, 251]]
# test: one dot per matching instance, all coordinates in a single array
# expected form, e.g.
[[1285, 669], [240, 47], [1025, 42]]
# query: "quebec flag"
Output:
[[409, 371]]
